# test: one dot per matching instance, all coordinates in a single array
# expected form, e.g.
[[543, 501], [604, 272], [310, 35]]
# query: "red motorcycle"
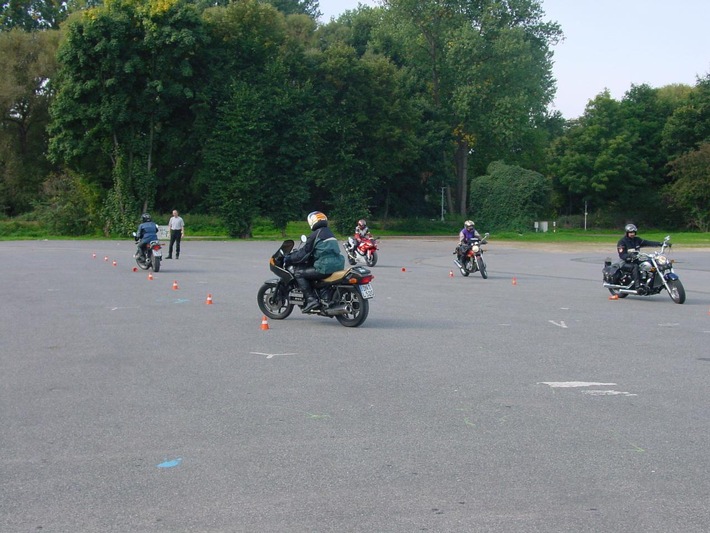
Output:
[[366, 248]]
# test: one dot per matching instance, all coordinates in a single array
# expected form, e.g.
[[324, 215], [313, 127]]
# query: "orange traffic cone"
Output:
[[515, 280], [93, 256], [404, 269], [614, 297], [208, 301], [451, 273], [175, 285], [150, 276], [114, 263], [135, 269], [105, 258], [264, 323]]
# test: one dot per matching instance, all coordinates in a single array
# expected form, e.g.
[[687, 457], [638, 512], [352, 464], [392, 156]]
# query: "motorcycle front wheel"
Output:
[[677, 291], [371, 259], [156, 264], [358, 306], [482, 267], [272, 303]]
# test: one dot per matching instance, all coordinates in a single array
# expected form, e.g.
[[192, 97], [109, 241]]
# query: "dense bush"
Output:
[[509, 198]]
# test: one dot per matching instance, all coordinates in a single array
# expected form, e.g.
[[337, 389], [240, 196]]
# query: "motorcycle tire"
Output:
[[359, 307], [352, 260], [142, 263], [371, 259], [677, 291], [482, 267], [273, 304], [156, 264]]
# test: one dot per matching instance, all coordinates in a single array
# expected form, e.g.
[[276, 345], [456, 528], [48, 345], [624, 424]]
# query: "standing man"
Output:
[[177, 232]]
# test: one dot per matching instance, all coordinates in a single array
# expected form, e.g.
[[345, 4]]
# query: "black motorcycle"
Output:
[[470, 257], [149, 256], [655, 275], [344, 294]]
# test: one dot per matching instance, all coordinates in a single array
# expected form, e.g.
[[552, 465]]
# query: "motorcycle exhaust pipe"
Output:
[[340, 309], [623, 289]]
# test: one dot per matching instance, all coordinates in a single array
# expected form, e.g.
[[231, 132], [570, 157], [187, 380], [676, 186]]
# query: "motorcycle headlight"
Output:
[[475, 248], [662, 260]]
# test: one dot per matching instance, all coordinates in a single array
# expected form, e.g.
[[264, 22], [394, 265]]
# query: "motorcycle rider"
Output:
[[467, 233], [318, 258], [147, 231], [362, 232], [628, 247]]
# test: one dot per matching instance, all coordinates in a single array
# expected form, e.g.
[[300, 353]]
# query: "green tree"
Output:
[[129, 74], [487, 68], [27, 66], [689, 126], [690, 192]]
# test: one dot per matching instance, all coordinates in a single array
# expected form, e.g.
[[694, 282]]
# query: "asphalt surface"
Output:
[[527, 402]]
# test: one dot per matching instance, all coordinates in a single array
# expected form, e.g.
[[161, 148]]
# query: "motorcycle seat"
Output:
[[335, 276]]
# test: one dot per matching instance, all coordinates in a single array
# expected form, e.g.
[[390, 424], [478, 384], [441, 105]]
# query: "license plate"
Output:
[[157, 253], [367, 291]]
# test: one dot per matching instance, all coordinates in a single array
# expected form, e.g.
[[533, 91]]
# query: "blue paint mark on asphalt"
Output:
[[170, 464]]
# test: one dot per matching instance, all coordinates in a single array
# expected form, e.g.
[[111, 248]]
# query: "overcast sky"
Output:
[[613, 44]]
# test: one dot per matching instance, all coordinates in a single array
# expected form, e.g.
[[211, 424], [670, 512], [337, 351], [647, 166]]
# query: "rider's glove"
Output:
[[669, 245]]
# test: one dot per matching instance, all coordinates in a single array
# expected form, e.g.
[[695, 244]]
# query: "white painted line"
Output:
[[270, 355], [607, 393], [569, 384], [669, 325], [560, 325]]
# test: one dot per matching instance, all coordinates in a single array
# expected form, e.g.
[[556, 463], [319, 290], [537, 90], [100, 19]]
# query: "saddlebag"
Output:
[[612, 272]]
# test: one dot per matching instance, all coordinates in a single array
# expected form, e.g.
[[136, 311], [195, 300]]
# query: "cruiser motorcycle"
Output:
[[344, 295], [472, 254], [149, 256], [367, 248], [655, 275]]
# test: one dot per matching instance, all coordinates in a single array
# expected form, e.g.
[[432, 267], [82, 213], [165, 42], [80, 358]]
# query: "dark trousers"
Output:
[[634, 269], [305, 273], [175, 236]]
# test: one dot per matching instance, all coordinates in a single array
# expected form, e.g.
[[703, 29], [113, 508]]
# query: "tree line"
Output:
[[251, 108]]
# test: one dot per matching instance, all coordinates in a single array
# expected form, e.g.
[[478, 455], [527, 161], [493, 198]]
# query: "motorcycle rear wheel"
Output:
[[156, 264], [371, 259], [677, 291], [272, 304], [482, 267], [359, 308], [142, 263]]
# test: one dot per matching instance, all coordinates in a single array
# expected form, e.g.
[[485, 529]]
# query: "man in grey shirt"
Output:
[[177, 231]]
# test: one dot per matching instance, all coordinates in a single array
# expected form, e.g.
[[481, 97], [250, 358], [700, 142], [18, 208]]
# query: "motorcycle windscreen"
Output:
[[282, 252]]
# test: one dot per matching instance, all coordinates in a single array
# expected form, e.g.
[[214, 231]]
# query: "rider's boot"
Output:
[[310, 295]]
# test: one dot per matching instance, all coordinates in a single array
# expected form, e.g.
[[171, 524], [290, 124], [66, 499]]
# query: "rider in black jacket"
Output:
[[628, 247]]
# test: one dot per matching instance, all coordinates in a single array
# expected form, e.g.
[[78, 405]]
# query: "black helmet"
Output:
[[145, 217], [630, 228]]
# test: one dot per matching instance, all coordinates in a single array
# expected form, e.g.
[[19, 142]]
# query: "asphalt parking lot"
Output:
[[526, 402]]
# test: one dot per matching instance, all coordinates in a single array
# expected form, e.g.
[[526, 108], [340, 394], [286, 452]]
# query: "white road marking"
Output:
[[607, 393], [561, 324], [669, 325], [270, 355], [569, 384]]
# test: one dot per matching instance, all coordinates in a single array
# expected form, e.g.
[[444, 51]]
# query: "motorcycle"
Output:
[[149, 256], [344, 294], [472, 254], [366, 248], [655, 274]]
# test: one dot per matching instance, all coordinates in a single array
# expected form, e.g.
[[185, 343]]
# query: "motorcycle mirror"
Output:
[[668, 238], [133, 233], [303, 238]]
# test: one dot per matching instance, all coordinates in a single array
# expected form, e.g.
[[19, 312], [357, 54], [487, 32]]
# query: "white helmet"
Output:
[[314, 217]]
